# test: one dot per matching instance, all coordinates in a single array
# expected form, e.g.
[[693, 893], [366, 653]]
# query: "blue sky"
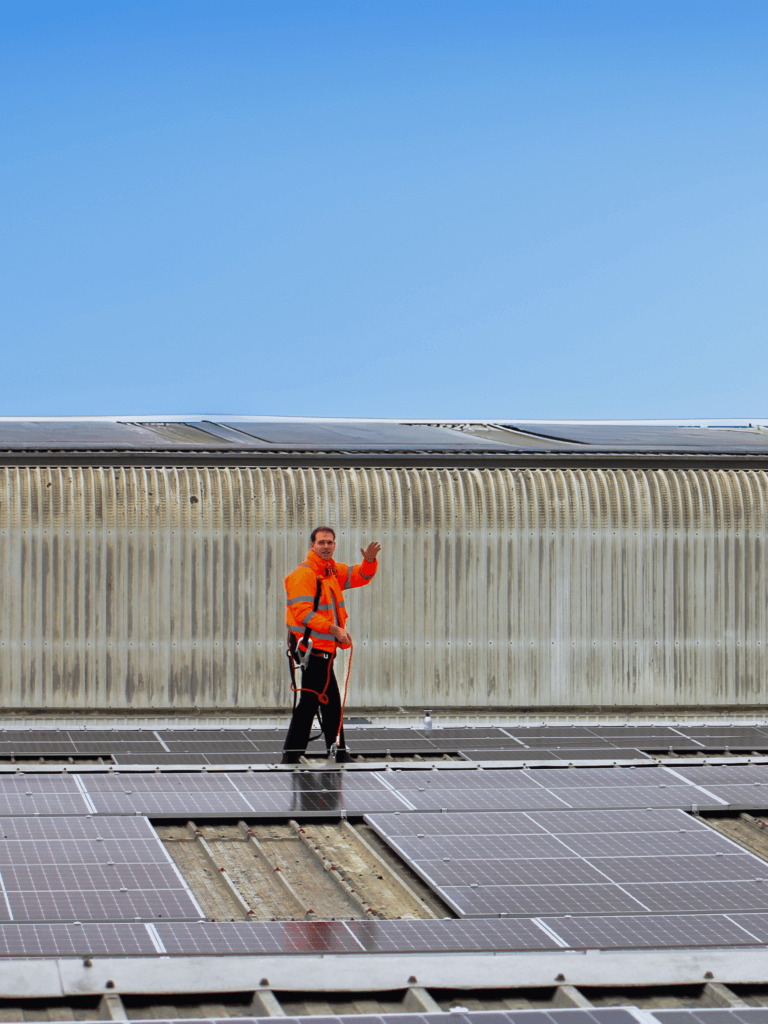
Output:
[[384, 207]]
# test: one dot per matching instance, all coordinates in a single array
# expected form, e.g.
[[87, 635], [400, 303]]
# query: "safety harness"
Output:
[[299, 653]]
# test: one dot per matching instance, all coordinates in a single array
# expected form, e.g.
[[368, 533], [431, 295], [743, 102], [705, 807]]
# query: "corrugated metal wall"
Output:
[[162, 588]]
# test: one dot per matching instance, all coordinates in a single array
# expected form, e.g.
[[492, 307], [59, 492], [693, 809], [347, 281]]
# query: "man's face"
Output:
[[324, 545]]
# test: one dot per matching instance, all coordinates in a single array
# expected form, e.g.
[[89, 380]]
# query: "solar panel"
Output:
[[86, 939], [633, 731], [162, 758], [752, 1015], [189, 803], [755, 924], [521, 731], [107, 735], [384, 733], [32, 783], [486, 872], [42, 803], [52, 745], [656, 437], [662, 745], [80, 851], [752, 796], [110, 747], [699, 868], [507, 799], [176, 793], [635, 796], [412, 746], [477, 742], [564, 742], [100, 905], [606, 753], [237, 937], [157, 782], [524, 900], [455, 936], [81, 827], [725, 775], [465, 732], [254, 783], [704, 732], [94, 434], [607, 778], [455, 781], [632, 820], [648, 930], [357, 433], [84, 877], [208, 746], [489, 824], [701, 896], [480, 848], [247, 757], [649, 844]]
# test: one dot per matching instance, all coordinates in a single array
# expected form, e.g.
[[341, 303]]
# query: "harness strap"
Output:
[[316, 604]]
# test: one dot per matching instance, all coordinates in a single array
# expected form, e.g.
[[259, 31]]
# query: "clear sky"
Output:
[[550, 208]]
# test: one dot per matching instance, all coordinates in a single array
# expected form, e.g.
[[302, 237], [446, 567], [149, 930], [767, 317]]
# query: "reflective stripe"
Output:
[[312, 633], [322, 636], [367, 577], [307, 617], [304, 597]]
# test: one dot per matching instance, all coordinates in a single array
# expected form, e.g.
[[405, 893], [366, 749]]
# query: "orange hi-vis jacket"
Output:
[[301, 587]]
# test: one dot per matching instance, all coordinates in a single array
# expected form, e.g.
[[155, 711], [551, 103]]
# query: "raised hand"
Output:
[[370, 553]]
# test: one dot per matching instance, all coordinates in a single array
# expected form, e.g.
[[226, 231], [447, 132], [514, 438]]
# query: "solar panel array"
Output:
[[291, 938], [752, 1015], [229, 793], [649, 436], [88, 869], [261, 792], [330, 435], [596, 1015], [264, 746], [548, 858], [548, 788], [543, 864]]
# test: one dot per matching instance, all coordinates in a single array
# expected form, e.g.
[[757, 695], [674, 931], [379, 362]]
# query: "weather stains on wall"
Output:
[[161, 589]]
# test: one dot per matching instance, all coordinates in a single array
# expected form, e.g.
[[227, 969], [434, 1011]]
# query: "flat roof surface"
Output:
[[601, 856]]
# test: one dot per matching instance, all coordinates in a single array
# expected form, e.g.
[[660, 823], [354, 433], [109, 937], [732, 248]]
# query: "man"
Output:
[[316, 613]]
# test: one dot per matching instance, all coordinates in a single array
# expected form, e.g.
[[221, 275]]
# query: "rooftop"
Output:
[[265, 436], [168, 873]]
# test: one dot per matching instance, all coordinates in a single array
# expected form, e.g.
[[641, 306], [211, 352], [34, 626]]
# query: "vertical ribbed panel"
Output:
[[162, 588]]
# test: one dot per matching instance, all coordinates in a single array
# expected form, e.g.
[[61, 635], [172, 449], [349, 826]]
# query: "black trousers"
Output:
[[312, 682]]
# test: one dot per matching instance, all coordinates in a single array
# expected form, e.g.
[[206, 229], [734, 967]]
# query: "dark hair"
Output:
[[321, 529]]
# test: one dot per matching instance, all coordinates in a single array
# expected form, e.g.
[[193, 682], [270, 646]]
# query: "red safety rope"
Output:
[[322, 697], [344, 700]]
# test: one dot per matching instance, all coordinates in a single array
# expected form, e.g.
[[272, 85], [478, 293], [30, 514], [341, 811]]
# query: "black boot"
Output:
[[290, 757]]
